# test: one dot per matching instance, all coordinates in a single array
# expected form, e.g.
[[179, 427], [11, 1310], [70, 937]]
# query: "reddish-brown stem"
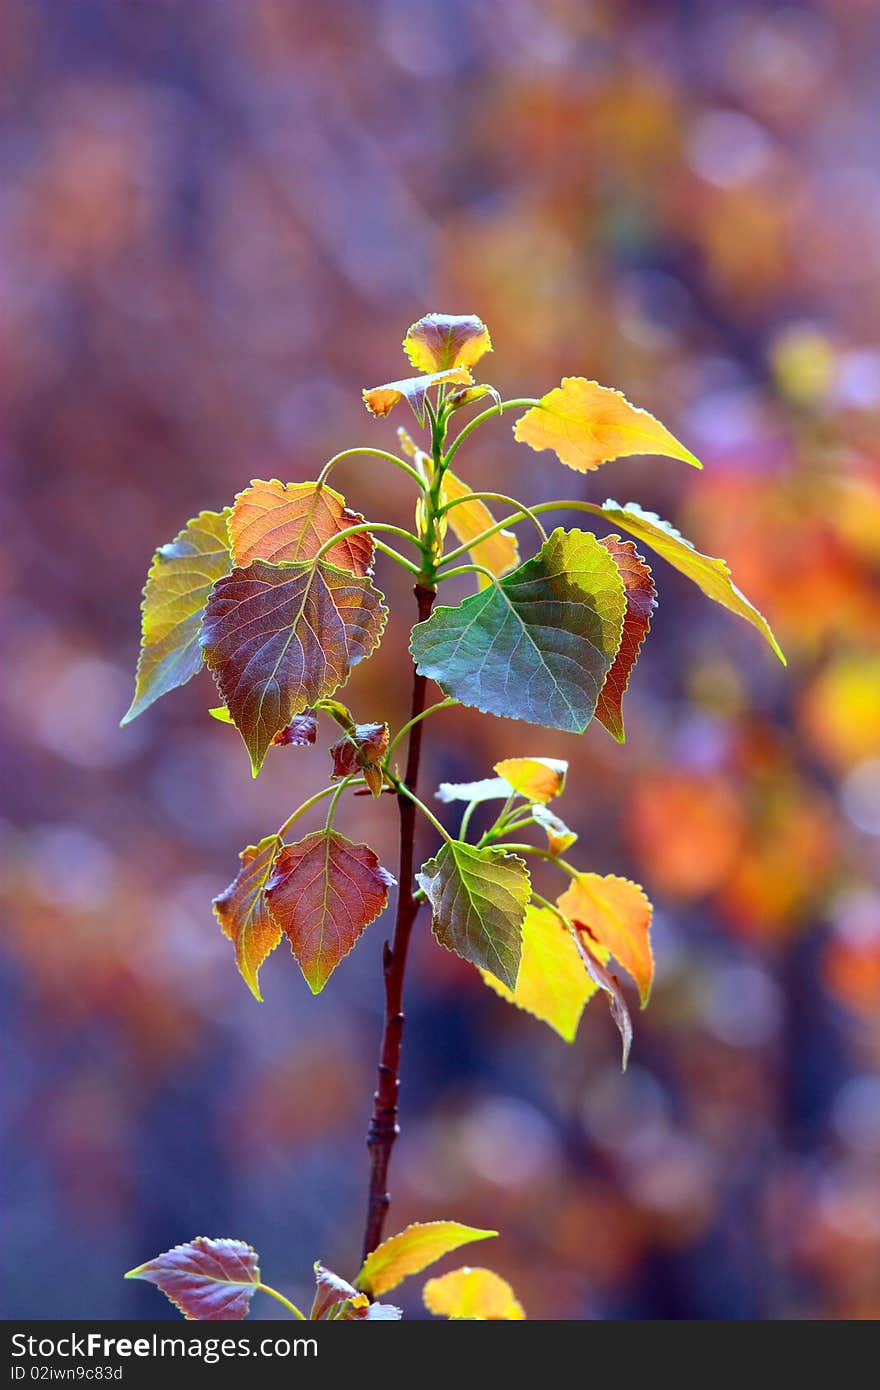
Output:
[[383, 1126]]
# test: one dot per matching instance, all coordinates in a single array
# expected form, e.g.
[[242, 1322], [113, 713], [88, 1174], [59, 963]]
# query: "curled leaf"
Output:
[[616, 913], [552, 984], [537, 779], [280, 522], [559, 837], [178, 584], [440, 341], [243, 912], [302, 729], [207, 1280], [641, 599], [363, 749], [470, 518], [478, 898], [586, 425], [324, 893], [380, 400], [479, 1294], [412, 1250], [603, 978]]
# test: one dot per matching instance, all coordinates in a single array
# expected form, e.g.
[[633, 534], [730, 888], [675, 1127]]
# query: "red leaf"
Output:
[[302, 729], [362, 750], [291, 521], [244, 915], [641, 599], [324, 893], [208, 1280]]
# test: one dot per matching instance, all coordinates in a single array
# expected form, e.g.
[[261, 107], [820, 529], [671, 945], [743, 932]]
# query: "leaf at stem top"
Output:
[[478, 1294], [586, 425], [709, 574], [539, 643], [177, 589], [478, 898], [617, 914], [440, 341], [553, 984], [363, 749], [641, 599], [324, 892], [469, 519], [379, 400], [412, 1250], [279, 522], [559, 836], [278, 638], [338, 1300], [208, 1280], [243, 912], [536, 779]]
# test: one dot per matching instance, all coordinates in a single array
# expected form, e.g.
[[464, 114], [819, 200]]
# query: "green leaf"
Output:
[[478, 898], [278, 638], [709, 574], [539, 643], [553, 983], [208, 1280], [413, 1250], [244, 915], [179, 582], [324, 893]]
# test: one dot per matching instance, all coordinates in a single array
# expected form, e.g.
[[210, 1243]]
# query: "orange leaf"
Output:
[[379, 400], [498, 553], [479, 1294], [617, 914], [244, 915], [537, 779], [587, 424], [440, 341], [641, 599], [291, 521]]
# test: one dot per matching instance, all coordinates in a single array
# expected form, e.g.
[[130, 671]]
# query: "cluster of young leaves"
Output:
[[214, 1280]]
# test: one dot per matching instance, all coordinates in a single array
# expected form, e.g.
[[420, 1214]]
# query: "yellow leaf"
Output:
[[616, 914], [420, 1245], [552, 984], [498, 553], [440, 341], [559, 836], [537, 779], [379, 400], [478, 1294], [588, 424]]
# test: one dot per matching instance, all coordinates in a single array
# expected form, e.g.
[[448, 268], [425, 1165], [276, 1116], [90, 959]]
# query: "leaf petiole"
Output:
[[372, 453], [543, 854], [402, 732], [524, 513], [313, 800], [273, 1293], [524, 403], [370, 526]]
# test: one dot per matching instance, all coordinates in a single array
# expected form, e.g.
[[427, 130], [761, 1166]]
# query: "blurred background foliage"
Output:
[[216, 220]]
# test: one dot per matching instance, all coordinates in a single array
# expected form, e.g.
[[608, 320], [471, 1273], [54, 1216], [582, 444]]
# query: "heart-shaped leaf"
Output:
[[641, 599], [324, 892], [539, 643], [208, 1280], [470, 518], [553, 984], [413, 1250], [478, 898], [479, 1294], [615, 913], [243, 912], [180, 580], [586, 425], [278, 638], [379, 400], [280, 522], [440, 341]]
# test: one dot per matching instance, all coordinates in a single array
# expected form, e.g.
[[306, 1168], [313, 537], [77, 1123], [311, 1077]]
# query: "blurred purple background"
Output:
[[216, 222]]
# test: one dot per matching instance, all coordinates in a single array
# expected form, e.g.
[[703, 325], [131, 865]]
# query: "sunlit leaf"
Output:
[[362, 750], [379, 400], [478, 898], [537, 779], [709, 574], [553, 984], [440, 341], [478, 1294], [340, 1301], [559, 836], [489, 789], [604, 980], [539, 643], [243, 912], [302, 729], [177, 589], [291, 521], [617, 914], [278, 638], [641, 598], [324, 892], [412, 1250], [498, 553], [587, 424], [208, 1280]]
